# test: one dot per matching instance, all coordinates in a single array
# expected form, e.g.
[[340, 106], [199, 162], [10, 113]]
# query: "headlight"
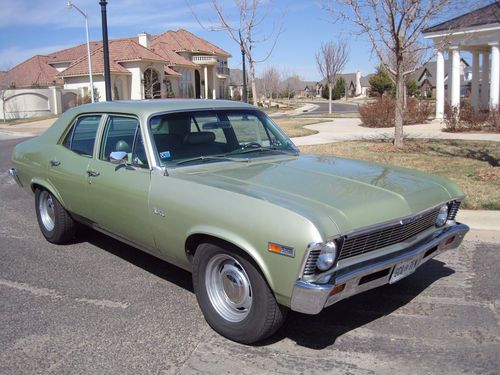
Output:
[[442, 216], [328, 256]]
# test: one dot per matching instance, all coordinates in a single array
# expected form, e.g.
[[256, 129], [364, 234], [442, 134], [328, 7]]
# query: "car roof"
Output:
[[148, 107]]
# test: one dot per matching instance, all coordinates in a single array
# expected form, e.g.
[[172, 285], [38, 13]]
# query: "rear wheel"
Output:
[[56, 225], [234, 296]]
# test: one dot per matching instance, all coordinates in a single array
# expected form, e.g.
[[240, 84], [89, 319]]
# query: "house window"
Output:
[[152, 85], [186, 84]]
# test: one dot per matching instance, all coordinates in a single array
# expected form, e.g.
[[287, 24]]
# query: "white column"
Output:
[[450, 83], [214, 77], [485, 80], [495, 76], [205, 71], [439, 85], [455, 78], [475, 80]]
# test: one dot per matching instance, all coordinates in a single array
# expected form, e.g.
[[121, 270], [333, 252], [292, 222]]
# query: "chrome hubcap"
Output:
[[228, 287], [46, 208]]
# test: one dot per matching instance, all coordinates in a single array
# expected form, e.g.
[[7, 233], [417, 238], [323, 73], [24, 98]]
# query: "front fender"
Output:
[[237, 241]]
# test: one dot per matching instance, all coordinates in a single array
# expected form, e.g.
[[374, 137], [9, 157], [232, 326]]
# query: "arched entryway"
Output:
[[197, 84], [152, 84]]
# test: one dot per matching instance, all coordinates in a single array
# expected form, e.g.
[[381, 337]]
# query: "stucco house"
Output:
[[172, 64]]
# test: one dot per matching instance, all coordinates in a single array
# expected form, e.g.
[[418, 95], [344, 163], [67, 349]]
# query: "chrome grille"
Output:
[[310, 266], [371, 241], [452, 212]]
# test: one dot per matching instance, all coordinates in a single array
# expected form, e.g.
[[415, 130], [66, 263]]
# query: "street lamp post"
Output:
[[105, 48], [71, 5]]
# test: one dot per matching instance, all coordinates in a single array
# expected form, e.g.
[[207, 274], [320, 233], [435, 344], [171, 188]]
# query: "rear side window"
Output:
[[81, 138]]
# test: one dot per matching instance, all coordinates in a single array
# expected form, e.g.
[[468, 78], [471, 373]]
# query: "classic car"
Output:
[[217, 188]]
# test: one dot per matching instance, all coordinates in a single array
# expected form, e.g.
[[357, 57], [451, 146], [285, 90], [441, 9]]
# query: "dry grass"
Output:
[[473, 165], [294, 127]]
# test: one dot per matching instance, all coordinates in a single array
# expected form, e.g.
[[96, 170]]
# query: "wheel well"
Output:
[[195, 240], [35, 186]]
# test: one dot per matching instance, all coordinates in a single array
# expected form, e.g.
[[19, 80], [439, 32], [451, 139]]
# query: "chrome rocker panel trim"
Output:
[[13, 174], [310, 298]]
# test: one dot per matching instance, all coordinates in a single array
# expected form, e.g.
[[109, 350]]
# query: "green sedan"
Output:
[[218, 189]]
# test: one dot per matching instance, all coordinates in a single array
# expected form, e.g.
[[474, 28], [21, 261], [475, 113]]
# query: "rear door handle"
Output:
[[93, 173], [55, 163]]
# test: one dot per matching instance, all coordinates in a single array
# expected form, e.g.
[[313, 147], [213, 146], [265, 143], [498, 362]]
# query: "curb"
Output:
[[480, 219]]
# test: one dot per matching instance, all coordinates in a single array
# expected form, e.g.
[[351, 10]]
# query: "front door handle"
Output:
[[93, 173], [55, 163]]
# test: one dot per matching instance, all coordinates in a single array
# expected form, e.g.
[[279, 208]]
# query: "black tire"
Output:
[[60, 227], [260, 320]]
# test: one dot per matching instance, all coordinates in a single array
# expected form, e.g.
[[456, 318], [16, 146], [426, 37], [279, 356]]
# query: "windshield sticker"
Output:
[[165, 155]]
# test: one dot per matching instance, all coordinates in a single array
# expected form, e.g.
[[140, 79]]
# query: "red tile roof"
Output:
[[170, 72], [120, 50], [33, 72], [164, 48], [166, 51], [183, 40]]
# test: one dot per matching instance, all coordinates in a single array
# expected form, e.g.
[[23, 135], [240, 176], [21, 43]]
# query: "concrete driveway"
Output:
[[99, 306]]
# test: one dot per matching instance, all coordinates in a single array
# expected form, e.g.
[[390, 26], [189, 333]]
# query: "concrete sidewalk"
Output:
[[28, 129], [349, 129]]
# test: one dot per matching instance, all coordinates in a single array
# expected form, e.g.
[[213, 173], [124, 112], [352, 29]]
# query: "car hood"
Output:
[[336, 194]]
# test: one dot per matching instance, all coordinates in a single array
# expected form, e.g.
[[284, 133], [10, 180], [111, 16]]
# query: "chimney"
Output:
[[144, 39]]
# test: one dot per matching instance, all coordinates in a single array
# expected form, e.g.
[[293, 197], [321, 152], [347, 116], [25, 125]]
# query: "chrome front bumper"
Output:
[[310, 298], [13, 174]]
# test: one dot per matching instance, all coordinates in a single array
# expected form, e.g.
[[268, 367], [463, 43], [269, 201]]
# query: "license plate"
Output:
[[403, 269]]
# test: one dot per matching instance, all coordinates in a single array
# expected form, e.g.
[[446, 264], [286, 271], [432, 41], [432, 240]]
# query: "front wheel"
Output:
[[234, 296]]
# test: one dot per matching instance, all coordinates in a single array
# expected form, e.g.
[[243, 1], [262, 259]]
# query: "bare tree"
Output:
[[290, 84], [394, 29], [247, 31], [331, 59], [270, 81]]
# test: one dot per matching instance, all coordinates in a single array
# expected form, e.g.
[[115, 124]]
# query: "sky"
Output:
[[30, 27]]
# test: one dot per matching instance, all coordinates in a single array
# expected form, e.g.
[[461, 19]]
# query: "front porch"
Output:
[[460, 36]]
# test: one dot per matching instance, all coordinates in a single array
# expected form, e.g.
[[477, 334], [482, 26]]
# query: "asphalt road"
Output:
[[336, 108], [99, 306]]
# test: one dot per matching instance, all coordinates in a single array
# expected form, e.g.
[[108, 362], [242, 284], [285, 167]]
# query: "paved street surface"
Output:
[[99, 306]]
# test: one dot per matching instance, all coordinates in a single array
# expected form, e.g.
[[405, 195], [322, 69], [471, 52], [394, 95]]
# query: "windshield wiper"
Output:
[[261, 149], [211, 158]]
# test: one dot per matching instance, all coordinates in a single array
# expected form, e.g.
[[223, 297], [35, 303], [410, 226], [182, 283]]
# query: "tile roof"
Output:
[[170, 72], [164, 48], [487, 15], [166, 51], [183, 40], [120, 50], [34, 71]]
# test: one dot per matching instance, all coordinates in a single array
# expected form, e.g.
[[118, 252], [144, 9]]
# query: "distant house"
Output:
[[356, 85], [311, 90], [235, 84], [426, 78], [176, 61]]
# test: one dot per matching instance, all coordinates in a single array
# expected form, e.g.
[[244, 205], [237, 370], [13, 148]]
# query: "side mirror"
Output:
[[118, 157]]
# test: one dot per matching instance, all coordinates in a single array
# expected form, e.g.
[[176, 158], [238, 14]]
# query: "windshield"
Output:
[[193, 137]]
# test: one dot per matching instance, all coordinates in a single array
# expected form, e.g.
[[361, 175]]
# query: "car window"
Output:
[[81, 138], [222, 133], [123, 134]]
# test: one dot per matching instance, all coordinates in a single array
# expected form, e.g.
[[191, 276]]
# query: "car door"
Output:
[[69, 161], [118, 193]]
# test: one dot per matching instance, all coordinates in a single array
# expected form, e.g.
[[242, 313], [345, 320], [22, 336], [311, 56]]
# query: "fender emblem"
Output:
[[158, 212]]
